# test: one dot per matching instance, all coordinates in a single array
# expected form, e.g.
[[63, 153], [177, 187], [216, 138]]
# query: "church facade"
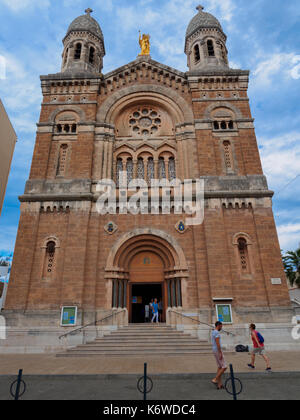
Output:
[[152, 122]]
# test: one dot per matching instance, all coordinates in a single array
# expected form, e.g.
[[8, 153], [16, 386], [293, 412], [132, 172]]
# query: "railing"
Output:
[[198, 322], [295, 300], [95, 323]]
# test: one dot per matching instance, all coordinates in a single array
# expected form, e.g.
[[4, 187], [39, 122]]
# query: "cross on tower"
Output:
[[89, 11], [199, 8]]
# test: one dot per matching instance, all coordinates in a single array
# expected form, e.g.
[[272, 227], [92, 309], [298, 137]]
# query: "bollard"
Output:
[[145, 384], [233, 382], [16, 395], [145, 381]]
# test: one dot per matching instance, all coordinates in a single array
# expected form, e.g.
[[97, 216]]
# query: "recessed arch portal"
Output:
[[146, 256]]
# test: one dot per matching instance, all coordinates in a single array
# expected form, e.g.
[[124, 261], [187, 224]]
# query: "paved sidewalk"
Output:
[[41, 364], [257, 386]]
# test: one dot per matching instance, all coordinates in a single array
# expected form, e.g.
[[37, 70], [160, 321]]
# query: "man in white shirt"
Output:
[[218, 353]]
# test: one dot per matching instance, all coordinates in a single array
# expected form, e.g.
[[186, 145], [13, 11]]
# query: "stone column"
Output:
[[98, 159], [105, 155], [110, 159]]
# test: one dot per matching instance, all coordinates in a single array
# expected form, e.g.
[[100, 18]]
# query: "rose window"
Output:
[[145, 122]]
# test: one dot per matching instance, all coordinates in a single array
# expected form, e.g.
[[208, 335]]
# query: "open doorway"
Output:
[[141, 295]]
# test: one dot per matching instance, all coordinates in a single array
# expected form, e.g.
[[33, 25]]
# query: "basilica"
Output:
[[74, 266]]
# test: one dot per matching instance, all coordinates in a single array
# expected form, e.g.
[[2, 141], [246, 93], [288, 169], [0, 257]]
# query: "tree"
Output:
[[291, 262], [3, 263]]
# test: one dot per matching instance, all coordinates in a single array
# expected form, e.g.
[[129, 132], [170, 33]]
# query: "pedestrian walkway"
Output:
[[49, 364]]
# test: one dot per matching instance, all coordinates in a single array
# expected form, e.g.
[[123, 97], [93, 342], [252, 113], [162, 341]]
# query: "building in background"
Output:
[[8, 140]]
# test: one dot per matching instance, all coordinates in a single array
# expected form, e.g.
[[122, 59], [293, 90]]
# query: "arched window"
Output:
[[74, 128], [62, 160], [230, 125], [172, 169], [223, 125], [243, 255], [150, 170], [223, 53], [66, 56], [162, 168], [119, 169], [59, 128], [129, 169], [216, 125], [210, 48], [228, 155], [92, 55], [196, 53], [77, 53], [140, 169], [49, 259]]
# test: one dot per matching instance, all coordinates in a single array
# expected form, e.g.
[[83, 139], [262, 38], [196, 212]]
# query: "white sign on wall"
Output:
[[276, 281]]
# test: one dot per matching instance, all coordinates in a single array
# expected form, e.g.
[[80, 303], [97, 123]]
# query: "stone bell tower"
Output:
[[205, 44], [83, 46]]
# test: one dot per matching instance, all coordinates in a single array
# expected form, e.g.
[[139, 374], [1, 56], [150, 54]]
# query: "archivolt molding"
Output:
[[51, 239], [65, 108], [222, 104], [161, 95], [139, 239], [240, 235]]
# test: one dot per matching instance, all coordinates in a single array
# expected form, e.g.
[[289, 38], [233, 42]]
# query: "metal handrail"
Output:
[[199, 322], [89, 325]]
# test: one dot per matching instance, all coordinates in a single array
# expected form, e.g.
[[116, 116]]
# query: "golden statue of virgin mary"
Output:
[[144, 44]]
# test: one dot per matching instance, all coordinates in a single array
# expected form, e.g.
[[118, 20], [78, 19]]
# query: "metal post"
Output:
[[233, 383], [18, 384], [145, 381]]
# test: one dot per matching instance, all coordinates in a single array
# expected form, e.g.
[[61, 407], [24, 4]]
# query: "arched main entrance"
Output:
[[145, 263], [146, 282]]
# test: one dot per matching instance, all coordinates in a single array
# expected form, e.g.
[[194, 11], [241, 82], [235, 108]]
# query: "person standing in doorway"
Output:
[[160, 310], [151, 308], [218, 353], [147, 313], [155, 311], [258, 348]]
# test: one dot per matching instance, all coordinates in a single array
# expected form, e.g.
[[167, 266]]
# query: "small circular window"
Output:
[[145, 122]]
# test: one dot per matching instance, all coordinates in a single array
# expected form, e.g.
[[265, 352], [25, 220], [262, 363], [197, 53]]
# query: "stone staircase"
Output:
[[140, 340]]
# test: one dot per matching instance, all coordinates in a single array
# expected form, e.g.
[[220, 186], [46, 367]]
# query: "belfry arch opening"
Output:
[[146, 267]]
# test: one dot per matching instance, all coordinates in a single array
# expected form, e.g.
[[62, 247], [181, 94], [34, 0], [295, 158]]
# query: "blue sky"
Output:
[[263, 36]]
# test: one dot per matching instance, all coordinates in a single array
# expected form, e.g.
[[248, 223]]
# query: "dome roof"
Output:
[[202, 20], [86, 23]]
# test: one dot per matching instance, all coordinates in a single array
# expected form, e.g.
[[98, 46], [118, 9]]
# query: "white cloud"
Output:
[[288, 64], [289, 236], [280, 157], [20, 5]]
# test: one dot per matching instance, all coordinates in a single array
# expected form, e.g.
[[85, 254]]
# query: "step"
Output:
[[173, 341], [140, 347], [147, 334], [135, 354]]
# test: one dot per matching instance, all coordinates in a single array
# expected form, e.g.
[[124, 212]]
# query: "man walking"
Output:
[[218, 353], [258, 348], [155, 311]]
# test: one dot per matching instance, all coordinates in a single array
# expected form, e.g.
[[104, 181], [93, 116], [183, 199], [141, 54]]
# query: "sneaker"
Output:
[[251, 366], [269, 369]]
